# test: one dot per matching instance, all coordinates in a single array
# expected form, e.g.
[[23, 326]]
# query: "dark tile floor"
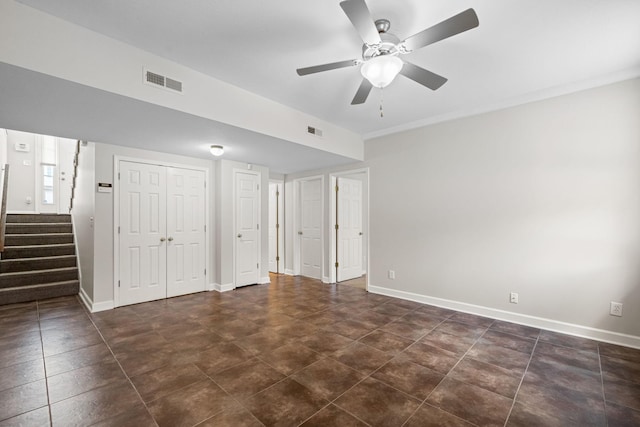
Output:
[[298, 352]]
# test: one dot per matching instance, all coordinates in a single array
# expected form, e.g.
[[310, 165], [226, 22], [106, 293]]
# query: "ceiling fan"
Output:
[[381, 49]]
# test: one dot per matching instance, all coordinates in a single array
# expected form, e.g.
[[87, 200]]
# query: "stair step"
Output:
[[34, 251], [34, 264], [37, 292], [37, 239], [38, 228], [27, 218], [25, 278]]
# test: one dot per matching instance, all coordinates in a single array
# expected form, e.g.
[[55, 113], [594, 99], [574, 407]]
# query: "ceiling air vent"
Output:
[[159, 80], [314, 131]]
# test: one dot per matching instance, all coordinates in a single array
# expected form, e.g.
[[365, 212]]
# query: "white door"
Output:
[[310, 232], [143, 253], [275, 238], [349, 198], [247, 214], [185, 231]]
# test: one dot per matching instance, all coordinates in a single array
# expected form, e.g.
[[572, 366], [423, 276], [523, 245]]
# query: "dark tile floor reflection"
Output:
[[298, 352]]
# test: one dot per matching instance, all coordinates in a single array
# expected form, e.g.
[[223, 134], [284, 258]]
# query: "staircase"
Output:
[[39, 259]]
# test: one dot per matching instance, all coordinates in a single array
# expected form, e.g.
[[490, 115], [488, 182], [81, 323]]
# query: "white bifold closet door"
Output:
[[162, 232]]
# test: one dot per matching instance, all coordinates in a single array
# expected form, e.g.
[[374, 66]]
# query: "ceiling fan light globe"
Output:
[[217, 150], [381, 70]]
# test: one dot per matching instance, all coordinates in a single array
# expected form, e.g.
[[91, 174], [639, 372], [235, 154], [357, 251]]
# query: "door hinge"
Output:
[[118, 229], [277, 226], [205, 271], [337, 188], [277, 258], [257, 226], [337, 265], [257, 186], [258, 265], [277, 193], [337, 226], [118, 283]]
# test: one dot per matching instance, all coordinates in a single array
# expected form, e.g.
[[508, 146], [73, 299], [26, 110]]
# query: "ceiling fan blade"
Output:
[[359, 15], [426, 78], [326, 67], [362, 93], [449, 27]]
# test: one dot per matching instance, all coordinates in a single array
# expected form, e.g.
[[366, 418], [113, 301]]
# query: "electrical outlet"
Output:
[[616, 309], [392, 274], [513, 298]]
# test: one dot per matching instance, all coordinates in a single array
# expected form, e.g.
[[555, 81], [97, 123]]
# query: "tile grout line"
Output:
[[604, 397], [120, 365], [524, 374], [44, 364], [424, 401]]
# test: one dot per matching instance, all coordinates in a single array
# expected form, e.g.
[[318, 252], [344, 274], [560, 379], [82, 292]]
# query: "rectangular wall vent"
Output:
[[173, 84], [159, 80], [314, 131]]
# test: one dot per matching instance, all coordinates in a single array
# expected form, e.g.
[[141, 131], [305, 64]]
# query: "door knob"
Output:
[[239, 235], [360, 233], [162, 239], [300, 233], [170, 239]]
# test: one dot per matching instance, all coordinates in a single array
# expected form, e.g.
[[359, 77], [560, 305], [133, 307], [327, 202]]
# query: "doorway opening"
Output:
[[276, 213]]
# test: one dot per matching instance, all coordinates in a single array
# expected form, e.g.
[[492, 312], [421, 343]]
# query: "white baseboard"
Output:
[[102, 306], [85, 299], [95, 307], [210, 287], [288, 272], [326, 279], [264, 280], [522, 319], [223, 288]]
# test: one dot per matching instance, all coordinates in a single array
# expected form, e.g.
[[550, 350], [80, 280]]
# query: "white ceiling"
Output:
[[522, 48]]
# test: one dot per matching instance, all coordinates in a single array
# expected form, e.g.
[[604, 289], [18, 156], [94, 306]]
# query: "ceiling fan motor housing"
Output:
[[388, 46]]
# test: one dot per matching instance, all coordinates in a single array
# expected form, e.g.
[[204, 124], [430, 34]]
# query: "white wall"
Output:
[[4, 134], [541, 199], [83, 213], [104, 221], [22, 177]]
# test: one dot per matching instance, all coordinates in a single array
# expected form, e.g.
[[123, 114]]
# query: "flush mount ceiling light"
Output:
[[217, 150], [381, 70]]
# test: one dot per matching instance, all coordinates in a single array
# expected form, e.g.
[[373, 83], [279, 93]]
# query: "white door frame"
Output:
[[332, 216], [280, 230], [116, 216], [259, 232], [297, 212]]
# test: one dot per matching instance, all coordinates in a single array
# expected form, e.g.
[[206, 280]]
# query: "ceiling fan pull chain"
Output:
[[381, 100]]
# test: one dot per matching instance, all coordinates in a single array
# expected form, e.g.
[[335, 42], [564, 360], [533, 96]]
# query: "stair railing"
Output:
[[3, 212], [75, 174]]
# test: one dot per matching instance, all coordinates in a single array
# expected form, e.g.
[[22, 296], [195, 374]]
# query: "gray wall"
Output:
[[83, 213], [542, 199]]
